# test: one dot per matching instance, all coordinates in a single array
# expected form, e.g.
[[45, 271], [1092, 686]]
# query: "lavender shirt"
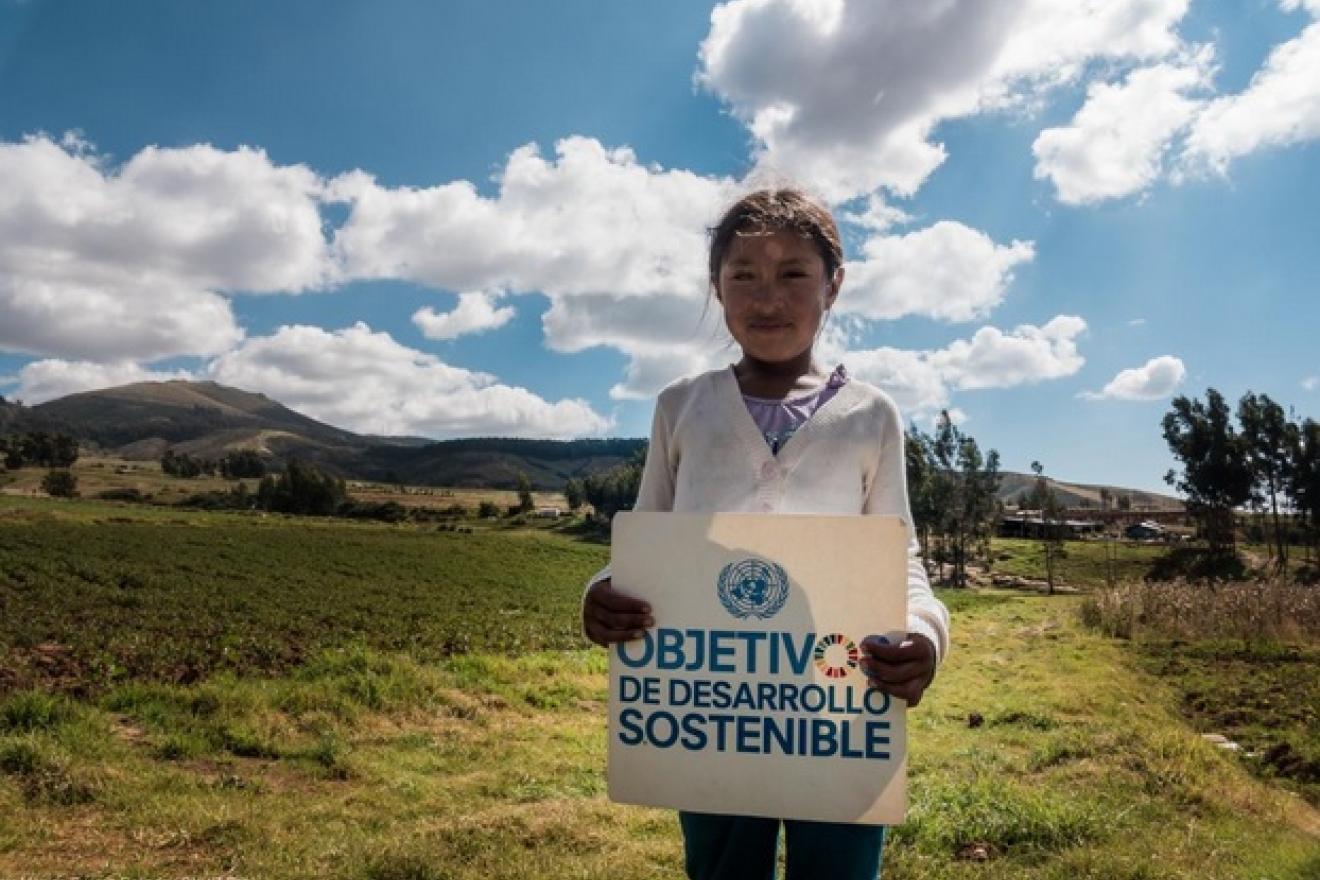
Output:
[[778, 419]]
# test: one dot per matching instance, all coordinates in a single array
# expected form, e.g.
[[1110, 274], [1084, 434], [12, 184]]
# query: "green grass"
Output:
[[378, 751], [1082, 563], [91, 597]]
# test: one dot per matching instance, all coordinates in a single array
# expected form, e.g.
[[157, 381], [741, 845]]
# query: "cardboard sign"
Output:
[[746, 697]]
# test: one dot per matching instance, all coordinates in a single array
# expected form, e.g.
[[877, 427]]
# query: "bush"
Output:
[[60, 484], [488, 510], [125, 494], [243, 463], [385, 511], [302, 489]]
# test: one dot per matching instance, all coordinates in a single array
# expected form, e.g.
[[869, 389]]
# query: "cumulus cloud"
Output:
[[50, 378], [922, 382], [1310, 383], [592, 220], [122, 263], [475, 313], [1153, 380], [846, 93], [1280, 106], [946, 271], [365, 381], [1115, 144]]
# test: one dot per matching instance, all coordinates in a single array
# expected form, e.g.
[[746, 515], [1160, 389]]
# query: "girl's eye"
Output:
[[742, 276]]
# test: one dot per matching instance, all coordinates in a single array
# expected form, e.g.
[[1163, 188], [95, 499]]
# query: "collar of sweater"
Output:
[[730, 397]]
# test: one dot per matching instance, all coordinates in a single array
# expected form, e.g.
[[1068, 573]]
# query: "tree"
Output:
[[958, 496], [1111, 548], [241, 464], [60, 483], [1216, 476], [1304, 477], [301, 489], [184, 465], [40, 449], [1268, 438], [922, 479], [525, 501], [1043, 498], [616, 489], [573, 494]]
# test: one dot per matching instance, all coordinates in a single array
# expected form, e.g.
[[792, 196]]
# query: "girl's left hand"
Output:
[[904, 670]]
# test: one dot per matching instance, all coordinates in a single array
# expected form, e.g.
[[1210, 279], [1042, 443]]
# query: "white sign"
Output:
[[746, 697]]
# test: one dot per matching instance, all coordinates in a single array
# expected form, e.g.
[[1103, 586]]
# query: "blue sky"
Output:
[[1062, 214]]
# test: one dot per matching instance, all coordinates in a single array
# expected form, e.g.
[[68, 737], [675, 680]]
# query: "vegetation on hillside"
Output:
[[952, 490], [1268, 462]]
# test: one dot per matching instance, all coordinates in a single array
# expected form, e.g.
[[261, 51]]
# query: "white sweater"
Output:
[[708, 456]]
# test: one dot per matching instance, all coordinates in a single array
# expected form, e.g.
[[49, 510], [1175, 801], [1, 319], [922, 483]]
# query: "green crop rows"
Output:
[[87, 602]]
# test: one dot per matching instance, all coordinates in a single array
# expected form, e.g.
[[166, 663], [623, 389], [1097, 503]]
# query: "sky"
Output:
[[488, 218]]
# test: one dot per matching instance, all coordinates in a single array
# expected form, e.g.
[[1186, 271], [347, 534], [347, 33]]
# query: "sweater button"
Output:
[[768, 470]]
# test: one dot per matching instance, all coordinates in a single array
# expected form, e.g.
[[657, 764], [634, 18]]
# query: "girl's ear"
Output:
[[835, 283]]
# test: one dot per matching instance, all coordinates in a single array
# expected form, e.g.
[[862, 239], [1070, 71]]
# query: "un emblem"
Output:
[[753, 588]]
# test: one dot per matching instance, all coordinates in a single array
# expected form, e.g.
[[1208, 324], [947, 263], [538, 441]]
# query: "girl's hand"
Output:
[[610, 615], [903, 671]]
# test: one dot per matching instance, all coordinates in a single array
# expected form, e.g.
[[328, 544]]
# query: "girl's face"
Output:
[[775, 294]]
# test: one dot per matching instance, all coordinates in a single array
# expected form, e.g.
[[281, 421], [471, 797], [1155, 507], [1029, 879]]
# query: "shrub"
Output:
[[60, 483], [124, 494]]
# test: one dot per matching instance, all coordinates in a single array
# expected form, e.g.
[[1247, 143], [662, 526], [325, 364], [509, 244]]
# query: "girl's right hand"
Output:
[[610, 615]]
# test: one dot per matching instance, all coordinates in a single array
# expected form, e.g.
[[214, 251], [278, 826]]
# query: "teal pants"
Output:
[[743, 848]]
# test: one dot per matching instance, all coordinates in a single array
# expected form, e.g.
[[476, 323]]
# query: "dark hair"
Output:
[[786, 208]]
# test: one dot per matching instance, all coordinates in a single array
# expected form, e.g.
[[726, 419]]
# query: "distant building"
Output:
[[1144, 531], [1029, 524]]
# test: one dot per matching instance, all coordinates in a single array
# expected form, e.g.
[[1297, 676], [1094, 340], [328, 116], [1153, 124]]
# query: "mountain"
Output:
[[204, 419], [1014, 487], [208, 420]]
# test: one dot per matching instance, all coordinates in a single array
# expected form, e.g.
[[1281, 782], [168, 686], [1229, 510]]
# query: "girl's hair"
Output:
[[770, 210]]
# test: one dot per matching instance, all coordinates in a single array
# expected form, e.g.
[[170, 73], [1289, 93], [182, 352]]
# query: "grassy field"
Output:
[[97, 474], [223, 695], [1082, 564], [97, 593]]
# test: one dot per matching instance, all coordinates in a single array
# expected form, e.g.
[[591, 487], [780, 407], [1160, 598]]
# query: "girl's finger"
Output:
[[620, 621], [894, 673]]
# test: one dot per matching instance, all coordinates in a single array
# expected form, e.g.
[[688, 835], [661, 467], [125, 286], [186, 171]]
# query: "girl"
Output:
[[777, 433]]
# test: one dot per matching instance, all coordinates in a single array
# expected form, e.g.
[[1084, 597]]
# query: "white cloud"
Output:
[[591, 221], [130, 263], [1310, 383], [1115, 144], [475, 313], [922, 382], [1153, 380], [1280, 106], [616, 246], [50, 378], [946, 271], [846, 94], [367, 382], [1137, 322]]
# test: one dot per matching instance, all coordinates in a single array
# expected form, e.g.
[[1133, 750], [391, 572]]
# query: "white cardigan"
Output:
[[708, 455]]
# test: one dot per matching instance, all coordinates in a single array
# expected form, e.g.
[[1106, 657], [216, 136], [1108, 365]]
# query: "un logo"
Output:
[[753, 588]]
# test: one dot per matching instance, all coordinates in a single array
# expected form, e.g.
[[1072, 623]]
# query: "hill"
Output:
[[208, 420], [1014, 487]]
